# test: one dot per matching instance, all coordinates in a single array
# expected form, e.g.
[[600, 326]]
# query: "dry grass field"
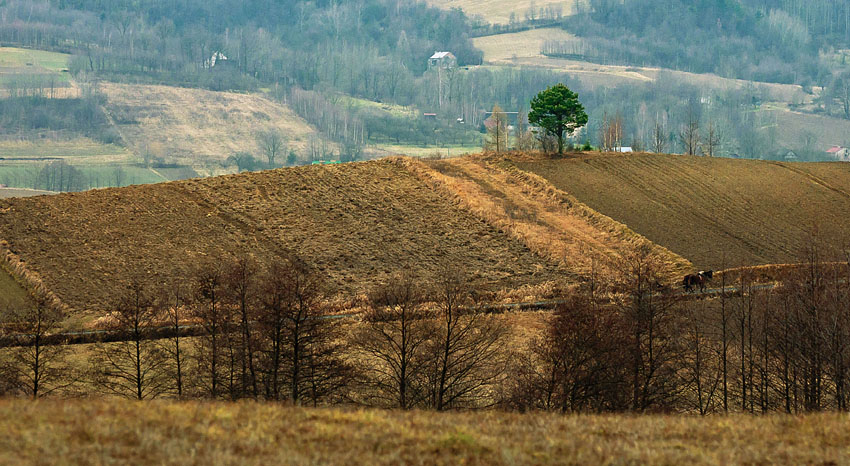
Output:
[[523, 49], [167, 432], [358, 223], [499, 11], [750, 212], [193, 126], [552, 223]]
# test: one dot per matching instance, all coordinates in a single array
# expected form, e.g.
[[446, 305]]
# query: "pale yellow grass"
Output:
[[120, 432], [525, 44], [499, 11], [552, 223], [195, 126], [523, 49], [22, 192]]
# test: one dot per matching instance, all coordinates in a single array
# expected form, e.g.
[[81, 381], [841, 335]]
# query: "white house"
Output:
[[839, 153], [442, 60]]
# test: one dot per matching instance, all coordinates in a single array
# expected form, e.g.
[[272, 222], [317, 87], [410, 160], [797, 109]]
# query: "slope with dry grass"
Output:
[[553, 223], [107, 432], [499, 11], [358, 223], [712, 211], [193, 126]]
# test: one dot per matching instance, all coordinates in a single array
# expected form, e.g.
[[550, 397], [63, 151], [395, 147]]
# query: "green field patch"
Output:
[[79, 148], [15, 62], [26, 175]]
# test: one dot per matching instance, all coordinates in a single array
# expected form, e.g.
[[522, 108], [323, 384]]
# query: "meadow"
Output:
[[16, 61], [91, 431], [196, 127]]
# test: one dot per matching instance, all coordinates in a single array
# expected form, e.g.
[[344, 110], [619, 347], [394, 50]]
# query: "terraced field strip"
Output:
[[715, 212], [551, 222]]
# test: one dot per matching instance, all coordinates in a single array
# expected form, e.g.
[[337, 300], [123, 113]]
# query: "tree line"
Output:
[[621, 341]]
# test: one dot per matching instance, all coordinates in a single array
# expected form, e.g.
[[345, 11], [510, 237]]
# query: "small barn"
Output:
[[442, 61], [839, 153]]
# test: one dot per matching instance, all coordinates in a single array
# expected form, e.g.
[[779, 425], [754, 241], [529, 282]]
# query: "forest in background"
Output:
[[333, 61]]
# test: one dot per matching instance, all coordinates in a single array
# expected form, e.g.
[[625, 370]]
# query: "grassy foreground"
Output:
[[109, 432]]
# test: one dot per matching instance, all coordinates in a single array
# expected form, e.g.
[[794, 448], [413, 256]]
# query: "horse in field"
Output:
[[699, 279]]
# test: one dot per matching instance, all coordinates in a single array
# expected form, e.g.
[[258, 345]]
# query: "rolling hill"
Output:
[[195, 126], [358, 223], [707, 209]]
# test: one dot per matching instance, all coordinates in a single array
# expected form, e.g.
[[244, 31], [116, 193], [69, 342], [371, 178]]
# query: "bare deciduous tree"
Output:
[[272, 143], [136, 366], [466, 351], [213, 316], [392, 343], [38, 368]]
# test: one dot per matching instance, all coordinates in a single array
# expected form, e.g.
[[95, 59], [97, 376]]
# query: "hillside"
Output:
[[106, 432], [553, 223], [750, 212], [358, 223], [195, 126], [499, 12]]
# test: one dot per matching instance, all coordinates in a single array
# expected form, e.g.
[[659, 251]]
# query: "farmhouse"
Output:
[[442, 61], [839, 153]]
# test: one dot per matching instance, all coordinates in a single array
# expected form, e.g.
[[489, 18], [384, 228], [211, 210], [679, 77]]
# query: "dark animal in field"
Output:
[[699, 279]]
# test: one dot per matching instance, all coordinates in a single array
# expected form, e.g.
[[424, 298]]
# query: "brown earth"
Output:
[[358, 223], [714, 212]]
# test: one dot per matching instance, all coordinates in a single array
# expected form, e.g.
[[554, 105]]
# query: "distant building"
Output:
[[839, 153], [442, 60], [623, 149], [789, 156], [219, 61]]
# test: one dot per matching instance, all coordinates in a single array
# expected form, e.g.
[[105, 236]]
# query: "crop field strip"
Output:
[[359, 223], [751, 212], [552, 223]]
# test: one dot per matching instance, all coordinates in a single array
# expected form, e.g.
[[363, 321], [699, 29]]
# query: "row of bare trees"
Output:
[[621, 343], [751, 348], [270, 333]]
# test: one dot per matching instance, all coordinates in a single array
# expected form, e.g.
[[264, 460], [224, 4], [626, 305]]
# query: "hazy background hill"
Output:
[[769, 77]]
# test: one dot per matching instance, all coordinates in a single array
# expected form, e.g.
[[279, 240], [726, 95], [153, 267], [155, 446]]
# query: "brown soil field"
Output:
[[358, 223], [92, 431], [193, 126], [718, 213]]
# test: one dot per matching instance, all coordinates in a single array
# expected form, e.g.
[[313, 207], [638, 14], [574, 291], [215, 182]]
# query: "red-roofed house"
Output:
[[839, 153]]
